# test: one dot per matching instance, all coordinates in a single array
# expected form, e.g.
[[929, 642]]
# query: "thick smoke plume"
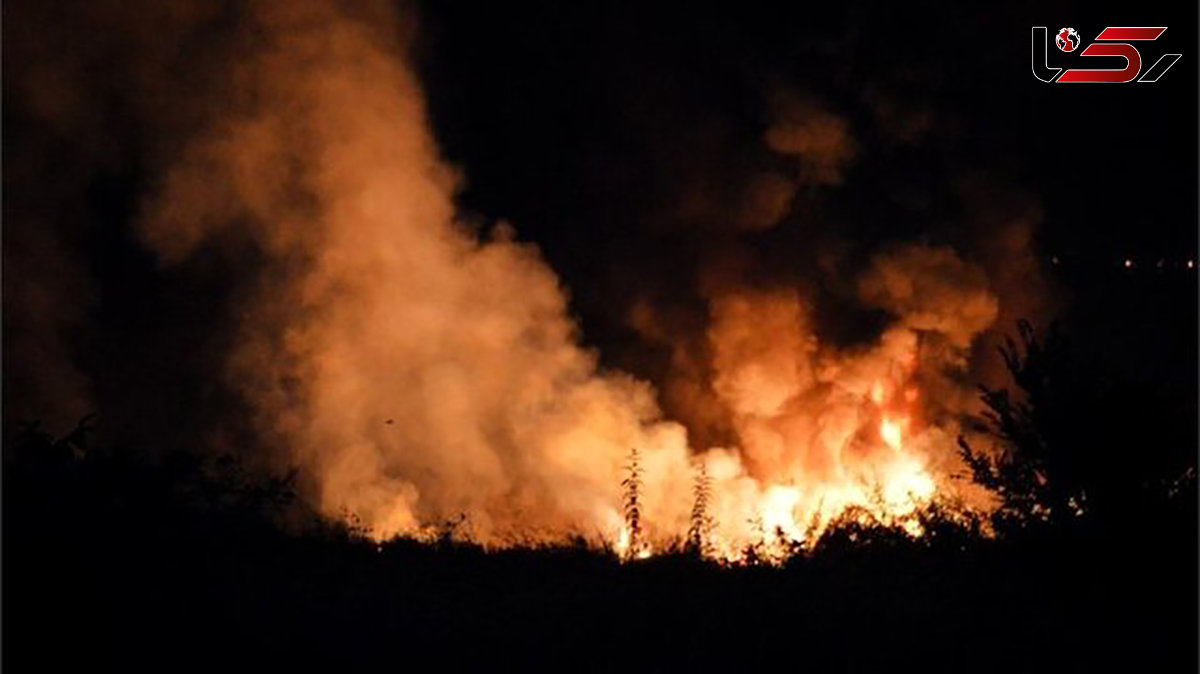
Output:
[[417, 369], [413, 371]]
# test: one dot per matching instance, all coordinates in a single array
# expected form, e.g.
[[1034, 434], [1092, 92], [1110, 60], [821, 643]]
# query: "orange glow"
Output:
[[381, 305], [890, 432]]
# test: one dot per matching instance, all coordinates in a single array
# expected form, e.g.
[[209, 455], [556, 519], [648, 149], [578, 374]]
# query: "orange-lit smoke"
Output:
[[413, 372], [416, 370], [823, 429]]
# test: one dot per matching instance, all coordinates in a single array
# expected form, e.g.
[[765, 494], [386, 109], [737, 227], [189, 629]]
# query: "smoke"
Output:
[[412, 370], [823, 427], [820, 140], [94, 93], [417, 367], [38, 324], [931, 290]]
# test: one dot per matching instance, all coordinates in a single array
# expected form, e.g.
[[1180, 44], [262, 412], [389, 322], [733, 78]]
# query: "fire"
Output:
[[882, 477], [826, 434], [889, 430], [779, 512], [822, 435], [374, 302], [622, 545], [625, 548]]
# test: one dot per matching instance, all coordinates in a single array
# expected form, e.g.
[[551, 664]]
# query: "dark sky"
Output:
[[592, 126], [539, 100], [584, 124], [564, 72]]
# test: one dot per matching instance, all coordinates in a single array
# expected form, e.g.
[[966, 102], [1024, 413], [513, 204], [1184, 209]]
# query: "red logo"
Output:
[[1067, 39], [1112, 41]]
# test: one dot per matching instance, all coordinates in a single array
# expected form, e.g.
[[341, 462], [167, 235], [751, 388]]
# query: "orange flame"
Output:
[[377, 303]]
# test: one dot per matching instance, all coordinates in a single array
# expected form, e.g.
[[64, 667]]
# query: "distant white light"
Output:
[[1128, 263], [1191, 264], [1054, 259]]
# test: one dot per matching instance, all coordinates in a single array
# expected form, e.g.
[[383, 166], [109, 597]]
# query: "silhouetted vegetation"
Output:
[[186, 563], [1073, 440], [631, 501], [700, 524]]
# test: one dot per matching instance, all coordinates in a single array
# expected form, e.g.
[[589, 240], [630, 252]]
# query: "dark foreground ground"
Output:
[[113, 562]]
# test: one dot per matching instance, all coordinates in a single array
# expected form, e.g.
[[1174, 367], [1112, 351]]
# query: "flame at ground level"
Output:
[[823, 433], [415, 373], [870, 461]]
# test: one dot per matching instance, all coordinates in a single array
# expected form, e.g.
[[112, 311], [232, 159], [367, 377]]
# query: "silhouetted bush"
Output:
[[1073, 440]]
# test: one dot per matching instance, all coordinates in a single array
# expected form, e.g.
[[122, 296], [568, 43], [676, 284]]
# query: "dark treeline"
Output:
[[180, 563]]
